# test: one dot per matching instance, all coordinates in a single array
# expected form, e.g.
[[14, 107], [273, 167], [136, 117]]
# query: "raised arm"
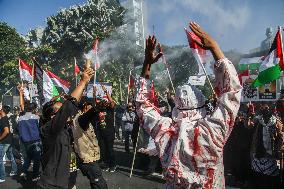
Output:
[[86, 76], [160, 128], [150, 56], [228, 89], [69, 109], [112, 102], [22, 100]]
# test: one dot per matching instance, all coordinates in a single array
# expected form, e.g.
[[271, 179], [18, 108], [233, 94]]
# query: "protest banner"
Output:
[[100, 93]]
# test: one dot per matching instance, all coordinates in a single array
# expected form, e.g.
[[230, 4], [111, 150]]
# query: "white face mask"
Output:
[[188, 98]]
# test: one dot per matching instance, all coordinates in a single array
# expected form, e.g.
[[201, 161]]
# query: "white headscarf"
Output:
[[188, 103]]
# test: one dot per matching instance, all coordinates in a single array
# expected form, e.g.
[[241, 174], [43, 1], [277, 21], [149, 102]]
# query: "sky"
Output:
[[235, 24]]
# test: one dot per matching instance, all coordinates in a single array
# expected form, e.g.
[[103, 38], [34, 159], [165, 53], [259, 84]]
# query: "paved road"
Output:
[[117, 180]]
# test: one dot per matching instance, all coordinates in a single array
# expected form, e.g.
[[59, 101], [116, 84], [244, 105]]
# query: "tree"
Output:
[[12, 46], [72, 31]]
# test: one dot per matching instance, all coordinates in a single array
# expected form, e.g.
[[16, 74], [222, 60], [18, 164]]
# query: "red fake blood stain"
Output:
[[196, 146], [210, 174]]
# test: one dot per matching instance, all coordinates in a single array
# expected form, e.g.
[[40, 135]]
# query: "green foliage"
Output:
[[72, 31], [11, 43], [11, 47]]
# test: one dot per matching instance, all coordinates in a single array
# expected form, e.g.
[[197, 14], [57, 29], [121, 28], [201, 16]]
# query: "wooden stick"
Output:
[[134, 155], [164, 60], [32, 85]]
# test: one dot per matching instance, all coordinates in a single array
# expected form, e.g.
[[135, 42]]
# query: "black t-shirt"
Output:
[[56, 147], [4, 122]]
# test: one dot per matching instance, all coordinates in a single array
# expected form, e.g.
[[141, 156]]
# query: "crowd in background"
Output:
[[251, 155]]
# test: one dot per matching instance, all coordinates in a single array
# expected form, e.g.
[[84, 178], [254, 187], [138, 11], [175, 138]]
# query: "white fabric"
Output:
[[191, 145], [47, 87], [25, 75]]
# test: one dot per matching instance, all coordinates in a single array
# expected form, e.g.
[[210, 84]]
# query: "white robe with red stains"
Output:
[[191, 148]]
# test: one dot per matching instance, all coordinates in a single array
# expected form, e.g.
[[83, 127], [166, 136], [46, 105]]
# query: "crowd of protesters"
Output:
[[182, 133]]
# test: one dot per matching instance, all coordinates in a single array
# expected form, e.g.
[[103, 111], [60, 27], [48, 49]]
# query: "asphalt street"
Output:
[[117, 180]]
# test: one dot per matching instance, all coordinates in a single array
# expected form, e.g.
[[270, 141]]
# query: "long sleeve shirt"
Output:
[[57, 148], [191, 153]]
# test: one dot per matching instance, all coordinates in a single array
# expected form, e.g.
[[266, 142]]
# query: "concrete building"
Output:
[[135, 20]]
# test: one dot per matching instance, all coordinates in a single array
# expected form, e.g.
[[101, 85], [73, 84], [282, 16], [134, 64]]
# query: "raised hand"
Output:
[[207, 42], [104, 88], [87, 74], [150, 55]]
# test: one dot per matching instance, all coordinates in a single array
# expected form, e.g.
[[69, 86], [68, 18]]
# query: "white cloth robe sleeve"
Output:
[[215, 128]]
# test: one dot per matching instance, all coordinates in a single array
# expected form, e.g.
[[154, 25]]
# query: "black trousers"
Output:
[[106, 141], [94, 174], [261, 181], [126, 142]]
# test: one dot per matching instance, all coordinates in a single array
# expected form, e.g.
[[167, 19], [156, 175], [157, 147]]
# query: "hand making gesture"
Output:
[[150, 55], [207, 42]]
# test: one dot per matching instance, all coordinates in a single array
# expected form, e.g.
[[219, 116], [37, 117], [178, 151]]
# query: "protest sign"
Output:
[[100, 93]]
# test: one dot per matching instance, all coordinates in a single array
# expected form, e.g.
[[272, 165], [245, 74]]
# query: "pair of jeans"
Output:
[[4, 148], [33, 153], [94, 173]]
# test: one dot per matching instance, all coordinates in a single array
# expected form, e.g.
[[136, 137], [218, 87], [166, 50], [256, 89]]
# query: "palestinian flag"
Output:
[[58, 82], [38, 74], [47, 83], [250, 63], [25, 71], [49, 88], [272, 65]]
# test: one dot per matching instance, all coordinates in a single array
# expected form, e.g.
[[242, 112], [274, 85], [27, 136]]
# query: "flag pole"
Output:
[[32, 85], [281, 158], [134, 155], [164, 61], [76, 78], [280, 31], [19, 62], [211, 86], [95, 76], [204, 70], [128, 89]]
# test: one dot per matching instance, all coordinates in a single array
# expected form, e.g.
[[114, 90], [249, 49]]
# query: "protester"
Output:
[[56, 138], [86, 145], [15, 136], [119, 110], [238, 145], [128, 118], [5, 143], [9, 154], [28, 127], [105, 130], [191, 144], [280, 113], [267, 141]]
